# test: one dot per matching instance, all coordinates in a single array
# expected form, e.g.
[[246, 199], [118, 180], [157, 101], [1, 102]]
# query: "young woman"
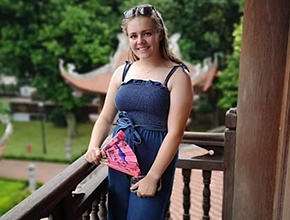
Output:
[[153, 95]]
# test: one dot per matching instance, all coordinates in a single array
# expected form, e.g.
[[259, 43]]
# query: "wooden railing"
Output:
[[61, 199], [79, 192], [220, 157], [213, 160]]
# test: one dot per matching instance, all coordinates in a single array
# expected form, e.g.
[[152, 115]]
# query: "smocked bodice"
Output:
[[146, 102]]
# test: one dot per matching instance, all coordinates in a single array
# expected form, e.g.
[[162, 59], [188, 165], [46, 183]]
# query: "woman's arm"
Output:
[[181, 97], [103, 124]]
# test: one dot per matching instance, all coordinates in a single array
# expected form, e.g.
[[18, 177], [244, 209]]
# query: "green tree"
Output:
[[228, 79], [207, 27], [4, 108], [35, 34]]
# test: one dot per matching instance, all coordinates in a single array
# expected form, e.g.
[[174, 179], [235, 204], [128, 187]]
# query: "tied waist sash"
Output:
[[126, 124]]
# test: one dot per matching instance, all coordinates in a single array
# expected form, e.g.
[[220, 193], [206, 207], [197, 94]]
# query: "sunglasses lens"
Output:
[[130, 13], [145, 11]]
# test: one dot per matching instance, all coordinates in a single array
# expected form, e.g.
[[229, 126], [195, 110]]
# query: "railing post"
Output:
[[186, 173], [103, 207], [229, 163], [206, 174], [86, 215], [95, 210]]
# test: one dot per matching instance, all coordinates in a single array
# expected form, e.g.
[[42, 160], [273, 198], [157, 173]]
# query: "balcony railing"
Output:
[[79, 192]]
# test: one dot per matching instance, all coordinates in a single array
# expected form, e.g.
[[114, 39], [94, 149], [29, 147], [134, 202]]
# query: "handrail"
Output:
[[205, 162], [204, 139], [213, 142], [203, 136], [41, 202]]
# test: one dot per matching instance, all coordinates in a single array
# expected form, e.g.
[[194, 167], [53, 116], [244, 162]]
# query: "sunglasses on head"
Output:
[[144, 11]]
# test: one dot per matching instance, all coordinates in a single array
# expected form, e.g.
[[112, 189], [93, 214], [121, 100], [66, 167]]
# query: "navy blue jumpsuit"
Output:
[[144, 107]]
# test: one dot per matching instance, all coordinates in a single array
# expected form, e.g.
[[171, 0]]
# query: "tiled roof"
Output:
[[97, 81], [97, 84]]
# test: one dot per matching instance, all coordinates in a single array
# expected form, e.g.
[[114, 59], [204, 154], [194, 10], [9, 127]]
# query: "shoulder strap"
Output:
[[125, 70], [170, 74], [184, 68]]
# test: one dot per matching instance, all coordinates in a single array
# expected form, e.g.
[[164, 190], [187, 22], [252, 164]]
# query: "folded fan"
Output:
[[120, 155]]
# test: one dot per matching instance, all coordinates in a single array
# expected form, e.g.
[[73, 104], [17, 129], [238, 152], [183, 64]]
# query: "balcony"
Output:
[[79, 192]]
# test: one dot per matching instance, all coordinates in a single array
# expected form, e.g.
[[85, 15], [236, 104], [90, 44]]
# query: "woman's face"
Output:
[[143, 37]]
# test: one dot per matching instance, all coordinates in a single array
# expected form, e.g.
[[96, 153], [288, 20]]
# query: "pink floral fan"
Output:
[[120, 155]]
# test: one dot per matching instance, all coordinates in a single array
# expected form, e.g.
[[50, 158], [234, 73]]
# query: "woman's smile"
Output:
[[143, 49], [143, 38]]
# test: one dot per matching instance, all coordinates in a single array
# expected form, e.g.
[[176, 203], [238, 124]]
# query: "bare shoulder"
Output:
[[118, 72], [117, 75], [180, 78]]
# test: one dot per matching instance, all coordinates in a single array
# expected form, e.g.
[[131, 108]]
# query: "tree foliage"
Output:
[[228, 79], [35, 34], [206, 26]]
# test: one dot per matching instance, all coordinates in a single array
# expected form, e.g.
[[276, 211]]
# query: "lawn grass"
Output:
[[29, 133], [11, 193]]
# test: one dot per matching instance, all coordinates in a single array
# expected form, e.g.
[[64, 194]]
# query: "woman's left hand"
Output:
[[146, 187]]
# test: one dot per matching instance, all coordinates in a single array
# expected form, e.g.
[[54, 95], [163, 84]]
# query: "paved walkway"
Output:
[[15, 169]]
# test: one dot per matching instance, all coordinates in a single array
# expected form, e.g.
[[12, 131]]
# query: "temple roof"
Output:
[[97, 81]]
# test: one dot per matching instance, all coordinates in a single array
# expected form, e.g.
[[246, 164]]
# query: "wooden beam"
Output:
[[282, 193], [261, 97]]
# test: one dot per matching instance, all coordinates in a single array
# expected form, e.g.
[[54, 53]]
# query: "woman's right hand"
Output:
[[93, 155]]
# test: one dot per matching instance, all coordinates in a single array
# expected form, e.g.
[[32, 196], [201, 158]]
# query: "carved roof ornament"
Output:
[[97, 81]]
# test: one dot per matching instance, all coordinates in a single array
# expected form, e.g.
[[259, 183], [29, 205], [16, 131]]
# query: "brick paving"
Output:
[[15, 169]]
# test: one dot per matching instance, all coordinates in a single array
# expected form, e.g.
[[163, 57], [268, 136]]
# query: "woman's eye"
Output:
[[147, 33], [133, 36]]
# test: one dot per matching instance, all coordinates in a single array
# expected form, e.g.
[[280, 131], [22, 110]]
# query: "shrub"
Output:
[[228, 79], [57, 116], [12, 192]]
